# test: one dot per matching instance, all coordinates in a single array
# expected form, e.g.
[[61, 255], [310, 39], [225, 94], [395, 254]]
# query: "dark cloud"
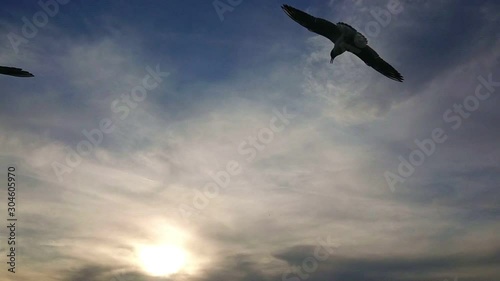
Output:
[[88, 273], [396, 268], [100, 273], [237, 267]]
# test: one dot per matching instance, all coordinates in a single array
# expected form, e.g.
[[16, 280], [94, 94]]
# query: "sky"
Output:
[[213, 140]]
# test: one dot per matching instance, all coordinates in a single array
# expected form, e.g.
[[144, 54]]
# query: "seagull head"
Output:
[[333, 55]]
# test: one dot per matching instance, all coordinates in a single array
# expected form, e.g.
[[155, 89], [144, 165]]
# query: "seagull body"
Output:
[[14, 71], [345, 38]]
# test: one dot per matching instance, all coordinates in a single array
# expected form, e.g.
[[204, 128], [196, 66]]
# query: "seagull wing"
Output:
[[317, 25], [14, 71], [372, 58]]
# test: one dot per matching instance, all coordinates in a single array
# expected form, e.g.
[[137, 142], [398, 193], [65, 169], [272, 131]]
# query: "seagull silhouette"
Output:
[[14, 71], [345, 38]]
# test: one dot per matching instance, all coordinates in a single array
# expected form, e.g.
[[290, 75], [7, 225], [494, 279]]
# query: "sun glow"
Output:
[[162, 260]]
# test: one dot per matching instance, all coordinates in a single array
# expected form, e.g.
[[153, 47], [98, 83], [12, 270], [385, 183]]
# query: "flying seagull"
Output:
[[345, 38], [14, 71]]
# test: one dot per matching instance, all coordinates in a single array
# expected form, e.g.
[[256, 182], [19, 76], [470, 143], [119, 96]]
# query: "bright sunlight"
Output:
[[162, 260]]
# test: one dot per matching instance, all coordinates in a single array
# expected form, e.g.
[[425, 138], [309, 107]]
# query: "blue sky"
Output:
[[248, 156]]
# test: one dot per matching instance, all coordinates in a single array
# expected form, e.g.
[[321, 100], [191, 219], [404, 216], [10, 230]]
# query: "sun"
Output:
[[162, 260]]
